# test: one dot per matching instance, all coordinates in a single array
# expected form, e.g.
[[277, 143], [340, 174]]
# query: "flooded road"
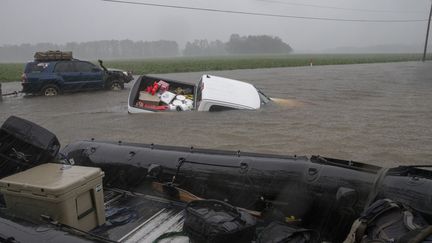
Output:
[[375, 113]]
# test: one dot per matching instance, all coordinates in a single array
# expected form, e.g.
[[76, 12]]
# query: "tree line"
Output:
[[115, 49], [258, 44], [105, 49]]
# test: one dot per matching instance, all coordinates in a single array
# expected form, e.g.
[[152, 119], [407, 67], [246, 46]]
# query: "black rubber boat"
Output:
[[146, 187]]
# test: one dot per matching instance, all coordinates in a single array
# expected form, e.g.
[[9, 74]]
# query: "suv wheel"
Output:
[[116, 85], [50, 90]]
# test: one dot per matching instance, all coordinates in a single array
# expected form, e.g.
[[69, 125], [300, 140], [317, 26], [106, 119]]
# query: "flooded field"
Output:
[[375, 113]]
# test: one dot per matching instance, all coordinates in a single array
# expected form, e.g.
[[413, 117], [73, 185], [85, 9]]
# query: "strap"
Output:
[[360, 232], [416, 236], [376, 185], [351, 237], [214, 204], [169, 235], [408, 218]]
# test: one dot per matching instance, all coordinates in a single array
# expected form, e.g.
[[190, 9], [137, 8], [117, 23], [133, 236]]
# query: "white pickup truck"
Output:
[[212, 93]]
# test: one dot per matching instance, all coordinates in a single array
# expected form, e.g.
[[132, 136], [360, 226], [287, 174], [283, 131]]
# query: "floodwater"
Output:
[[374, 113]]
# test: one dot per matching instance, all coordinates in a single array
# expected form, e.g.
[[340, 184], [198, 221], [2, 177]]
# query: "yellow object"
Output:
[[179, 91], [291, 219]]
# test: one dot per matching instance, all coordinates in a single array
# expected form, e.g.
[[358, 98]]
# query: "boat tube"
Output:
[[322, 193]]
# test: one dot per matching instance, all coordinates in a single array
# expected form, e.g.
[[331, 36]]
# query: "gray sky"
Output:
[[62, 21]]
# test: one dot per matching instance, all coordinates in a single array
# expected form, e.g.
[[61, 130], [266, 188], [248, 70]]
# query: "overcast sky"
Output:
[[62, 21]]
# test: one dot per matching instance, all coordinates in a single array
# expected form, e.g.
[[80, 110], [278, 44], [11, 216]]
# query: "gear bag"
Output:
[[388, 221], [216, 221], [53, 56], [277, 232]]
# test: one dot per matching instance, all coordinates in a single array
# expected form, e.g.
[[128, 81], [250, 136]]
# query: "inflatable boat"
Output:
[[96, 191]]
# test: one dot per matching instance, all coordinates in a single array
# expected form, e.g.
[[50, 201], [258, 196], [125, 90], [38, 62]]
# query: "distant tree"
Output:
[[104, 49], [165, 48], [196, 48], [204, 48], [217, 47], [260, 44]]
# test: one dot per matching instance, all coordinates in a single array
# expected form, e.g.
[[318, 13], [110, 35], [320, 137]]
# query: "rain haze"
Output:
[[61, 21]]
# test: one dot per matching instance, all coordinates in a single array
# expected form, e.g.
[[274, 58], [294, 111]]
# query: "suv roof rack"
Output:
[[53, 56]]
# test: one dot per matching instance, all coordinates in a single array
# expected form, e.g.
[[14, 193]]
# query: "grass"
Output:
[[13, 71]]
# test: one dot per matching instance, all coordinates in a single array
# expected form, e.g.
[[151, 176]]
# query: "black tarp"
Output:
[[24, 144]]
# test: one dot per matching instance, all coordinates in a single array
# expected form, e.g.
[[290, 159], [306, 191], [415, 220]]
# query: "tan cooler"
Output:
[[71, 195]]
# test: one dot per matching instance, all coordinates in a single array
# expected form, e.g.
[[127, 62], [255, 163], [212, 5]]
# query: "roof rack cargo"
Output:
[[53, 55]]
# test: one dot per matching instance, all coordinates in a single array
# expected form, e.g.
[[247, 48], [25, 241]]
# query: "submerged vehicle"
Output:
[[55, 72], [95, 191], [212, 93]]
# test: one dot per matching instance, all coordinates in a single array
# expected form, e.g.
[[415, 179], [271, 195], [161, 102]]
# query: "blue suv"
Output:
[[51, 77]]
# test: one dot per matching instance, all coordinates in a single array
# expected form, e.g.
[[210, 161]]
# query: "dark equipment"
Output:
[[277, 232], [215, 221], [389, 221], [24, 144]]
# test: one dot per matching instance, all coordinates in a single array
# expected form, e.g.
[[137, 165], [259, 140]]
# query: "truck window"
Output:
[[84, 67], [198, 97], [263, 98], [35, 67], [220, 108], [64, 67]]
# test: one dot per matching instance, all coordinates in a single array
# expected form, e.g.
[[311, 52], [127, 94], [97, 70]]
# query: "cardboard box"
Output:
[[167, 97], [163, 86], [148, 98], [71, 195]]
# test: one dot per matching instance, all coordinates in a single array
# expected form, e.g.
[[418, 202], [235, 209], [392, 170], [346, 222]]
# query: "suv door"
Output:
[[66, 70], [90, 76], [79, 75]]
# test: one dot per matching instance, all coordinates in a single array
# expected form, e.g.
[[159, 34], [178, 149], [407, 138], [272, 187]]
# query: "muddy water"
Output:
[[375, 113]]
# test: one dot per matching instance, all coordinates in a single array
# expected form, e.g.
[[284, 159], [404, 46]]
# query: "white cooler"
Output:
[[71, 195]]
